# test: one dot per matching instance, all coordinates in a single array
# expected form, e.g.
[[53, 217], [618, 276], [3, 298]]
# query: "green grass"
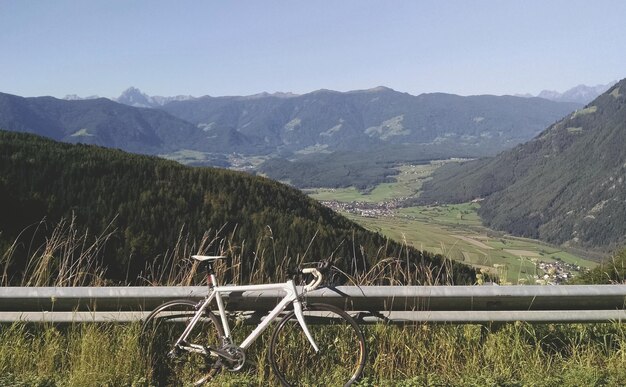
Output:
[[516, 354], [77, 355], [615, 93], [587, 110], [350, 194], [186, 156], [408, 182]]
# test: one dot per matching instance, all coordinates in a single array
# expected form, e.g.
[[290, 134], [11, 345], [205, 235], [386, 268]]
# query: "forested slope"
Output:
[[567, 185], [150, 200]]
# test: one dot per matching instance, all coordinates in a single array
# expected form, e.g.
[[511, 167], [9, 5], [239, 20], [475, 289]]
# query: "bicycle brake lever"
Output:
[[324, 266]]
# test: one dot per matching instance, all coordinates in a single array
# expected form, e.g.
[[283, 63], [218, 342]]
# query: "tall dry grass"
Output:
[[70, 257]]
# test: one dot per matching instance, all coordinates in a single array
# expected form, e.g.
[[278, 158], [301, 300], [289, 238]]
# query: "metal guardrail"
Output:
[[392, 304]]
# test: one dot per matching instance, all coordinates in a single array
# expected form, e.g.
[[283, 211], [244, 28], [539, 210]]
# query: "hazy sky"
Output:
[[86, 47]]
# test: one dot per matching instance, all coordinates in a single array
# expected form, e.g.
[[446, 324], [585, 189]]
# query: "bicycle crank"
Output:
[[236, 357]]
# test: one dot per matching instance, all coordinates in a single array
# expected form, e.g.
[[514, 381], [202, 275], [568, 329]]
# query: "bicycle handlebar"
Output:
[[317, 272], [315, 282]]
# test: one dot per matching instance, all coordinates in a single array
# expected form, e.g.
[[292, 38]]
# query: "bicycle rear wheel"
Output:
[[161, 330], [342, 354]]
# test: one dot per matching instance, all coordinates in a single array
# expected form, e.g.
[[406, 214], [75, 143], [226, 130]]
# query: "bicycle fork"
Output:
[[297, 308]]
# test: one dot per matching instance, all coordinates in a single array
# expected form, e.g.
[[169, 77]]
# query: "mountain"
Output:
[[208, 130], [582, 94], [151, 203], [101, 122], [326, 120], [565, 186], [76, 97], [134, 97]]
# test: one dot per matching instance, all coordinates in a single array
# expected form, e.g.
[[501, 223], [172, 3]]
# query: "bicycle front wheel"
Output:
[[341, 355], [162, 328]]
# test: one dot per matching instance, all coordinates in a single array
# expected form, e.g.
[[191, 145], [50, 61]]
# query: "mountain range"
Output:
[[316, 139], [326, 121], [98, 121], [565, 186], [288, 125], [582, 94]]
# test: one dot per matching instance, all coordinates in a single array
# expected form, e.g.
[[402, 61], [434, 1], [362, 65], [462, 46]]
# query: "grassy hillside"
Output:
[[149, 204], [566, 186]]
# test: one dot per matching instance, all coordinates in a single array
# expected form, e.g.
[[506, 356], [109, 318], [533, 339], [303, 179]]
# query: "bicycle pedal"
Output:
[[217, 365]]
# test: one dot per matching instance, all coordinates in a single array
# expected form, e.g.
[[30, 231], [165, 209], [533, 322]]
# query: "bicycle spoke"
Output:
[[175, 366]]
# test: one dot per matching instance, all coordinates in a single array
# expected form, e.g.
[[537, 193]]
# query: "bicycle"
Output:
[[186, 340]]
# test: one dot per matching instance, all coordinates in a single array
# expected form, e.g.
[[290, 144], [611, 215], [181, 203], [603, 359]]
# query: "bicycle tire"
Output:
[[163, 327], [342, 355]]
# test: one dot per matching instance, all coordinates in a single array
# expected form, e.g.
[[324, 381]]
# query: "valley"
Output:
[[389, 160], [448, 177], [453, 230]]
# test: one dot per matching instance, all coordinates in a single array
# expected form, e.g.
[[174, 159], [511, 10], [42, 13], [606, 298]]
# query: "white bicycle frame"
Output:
[[291, 297]]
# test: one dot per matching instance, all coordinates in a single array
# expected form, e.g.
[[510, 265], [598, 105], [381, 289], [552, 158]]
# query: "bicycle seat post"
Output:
[[208, 261], [210, 274]]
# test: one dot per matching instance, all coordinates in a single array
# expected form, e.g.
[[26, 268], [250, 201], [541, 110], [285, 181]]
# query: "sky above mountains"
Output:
[[245, 47]]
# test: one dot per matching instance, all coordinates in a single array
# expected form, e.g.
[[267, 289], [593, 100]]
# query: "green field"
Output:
[[453, 230], [186, 156], [408, 182]]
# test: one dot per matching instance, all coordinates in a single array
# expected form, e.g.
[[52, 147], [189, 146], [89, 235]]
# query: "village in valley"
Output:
[[365, 209]]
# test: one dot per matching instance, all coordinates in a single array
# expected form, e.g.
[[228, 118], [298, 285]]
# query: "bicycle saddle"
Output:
[[209, 258]]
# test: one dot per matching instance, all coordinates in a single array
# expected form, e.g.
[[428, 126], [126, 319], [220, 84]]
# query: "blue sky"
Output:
[[245, 47]]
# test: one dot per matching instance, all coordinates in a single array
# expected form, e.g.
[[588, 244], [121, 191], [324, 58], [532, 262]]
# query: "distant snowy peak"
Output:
[[135, 97], [265, 94], [75, 97], [586, 93], [581, 94]]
